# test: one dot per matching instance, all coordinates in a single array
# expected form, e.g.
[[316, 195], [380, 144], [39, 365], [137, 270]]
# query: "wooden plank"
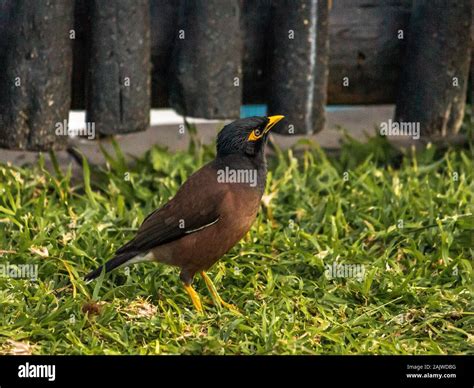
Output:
[[35, 77], [366, 49], [207, 60], [118, 93], [435, 70]]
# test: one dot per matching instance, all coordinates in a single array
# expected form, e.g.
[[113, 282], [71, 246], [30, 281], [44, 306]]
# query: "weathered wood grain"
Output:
[[119, 77], [35, 75], [206, 79], [435, 70]]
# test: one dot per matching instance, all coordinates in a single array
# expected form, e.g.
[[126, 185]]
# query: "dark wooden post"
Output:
[[80, 54], [321, 78], [207, 78], [35, 75], [256, 27], [298, 79], [118, 94], [164, 16], [433, 83], [471, 94]]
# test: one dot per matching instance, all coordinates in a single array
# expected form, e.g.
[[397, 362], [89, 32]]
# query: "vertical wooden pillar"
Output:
[[298, 80], [433, 82], [35, 73], [321, 79], [207, 78], [256, 25], [118, 98], [80, 54], [164, 16]]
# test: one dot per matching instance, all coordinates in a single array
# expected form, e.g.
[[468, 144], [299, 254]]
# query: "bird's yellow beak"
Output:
[[272, 120]]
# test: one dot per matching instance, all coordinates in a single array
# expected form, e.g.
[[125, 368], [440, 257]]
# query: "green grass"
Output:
[[411, 227]]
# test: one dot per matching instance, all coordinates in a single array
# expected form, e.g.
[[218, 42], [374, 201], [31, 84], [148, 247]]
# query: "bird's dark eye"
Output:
[[257, 132]]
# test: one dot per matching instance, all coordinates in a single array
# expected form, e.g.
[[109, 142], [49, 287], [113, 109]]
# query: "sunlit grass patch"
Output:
[[406, 219]]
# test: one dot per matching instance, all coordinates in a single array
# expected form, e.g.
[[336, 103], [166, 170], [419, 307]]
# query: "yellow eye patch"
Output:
[[258, 133], [255, 135]]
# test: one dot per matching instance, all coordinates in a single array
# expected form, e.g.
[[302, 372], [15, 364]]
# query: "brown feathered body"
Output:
[[201, 223], [235, 207], [208, 215]]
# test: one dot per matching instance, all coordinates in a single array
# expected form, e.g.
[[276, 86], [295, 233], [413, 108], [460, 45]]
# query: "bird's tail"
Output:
[[116, 261]]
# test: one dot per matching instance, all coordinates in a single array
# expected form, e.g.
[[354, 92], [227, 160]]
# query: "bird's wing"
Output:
[[194, 207]]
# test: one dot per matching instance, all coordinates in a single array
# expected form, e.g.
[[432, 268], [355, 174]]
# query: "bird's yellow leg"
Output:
[[215, 296], [194, 297]]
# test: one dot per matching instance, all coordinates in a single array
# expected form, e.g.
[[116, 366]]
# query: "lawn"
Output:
[[405, 219]]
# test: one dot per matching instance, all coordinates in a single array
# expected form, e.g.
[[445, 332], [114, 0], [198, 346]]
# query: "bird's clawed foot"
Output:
[[216, 297], [195, 298]]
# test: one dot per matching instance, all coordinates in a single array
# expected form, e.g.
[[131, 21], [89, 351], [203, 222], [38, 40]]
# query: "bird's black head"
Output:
[[245, 136]]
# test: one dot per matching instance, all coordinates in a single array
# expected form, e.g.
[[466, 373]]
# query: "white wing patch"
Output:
[[202, 227], [140, 259]]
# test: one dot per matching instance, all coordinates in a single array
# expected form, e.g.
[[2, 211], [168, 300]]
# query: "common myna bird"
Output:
[[211, 211]]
